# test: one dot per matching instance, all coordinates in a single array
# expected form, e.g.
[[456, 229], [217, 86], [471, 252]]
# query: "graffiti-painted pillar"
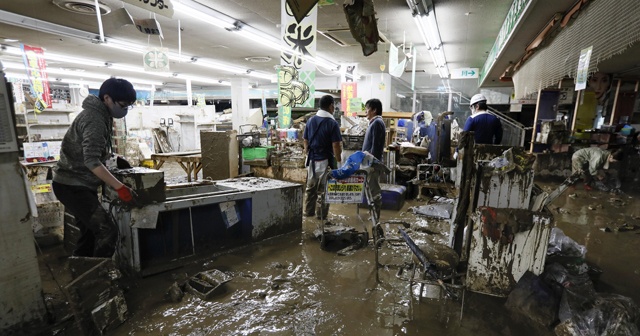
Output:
[[296, 77], [239, 102]]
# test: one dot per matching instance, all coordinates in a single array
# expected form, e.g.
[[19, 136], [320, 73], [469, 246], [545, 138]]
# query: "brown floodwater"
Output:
[[288, 285]]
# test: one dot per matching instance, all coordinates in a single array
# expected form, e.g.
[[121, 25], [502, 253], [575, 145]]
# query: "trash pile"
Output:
[[564, 296]]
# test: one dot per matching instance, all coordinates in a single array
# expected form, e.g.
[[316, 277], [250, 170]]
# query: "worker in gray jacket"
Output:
[[80, 170], [588, 162]]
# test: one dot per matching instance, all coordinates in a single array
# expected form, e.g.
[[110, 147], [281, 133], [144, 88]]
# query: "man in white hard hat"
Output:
[[486, 127]]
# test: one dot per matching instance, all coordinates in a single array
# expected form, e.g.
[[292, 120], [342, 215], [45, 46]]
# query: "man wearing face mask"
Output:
[[486, 127], [80, 170]]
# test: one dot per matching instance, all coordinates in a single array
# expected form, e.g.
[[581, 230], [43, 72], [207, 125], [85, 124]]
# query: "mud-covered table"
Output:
[[191, 162]]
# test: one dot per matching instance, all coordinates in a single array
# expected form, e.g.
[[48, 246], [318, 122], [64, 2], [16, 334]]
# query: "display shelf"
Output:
[[48, 125]]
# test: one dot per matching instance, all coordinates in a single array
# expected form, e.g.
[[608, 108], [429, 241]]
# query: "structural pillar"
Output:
[[379, 87], [239, 102]]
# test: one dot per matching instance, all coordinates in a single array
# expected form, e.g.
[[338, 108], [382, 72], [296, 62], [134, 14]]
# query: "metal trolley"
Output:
[[345, 191]]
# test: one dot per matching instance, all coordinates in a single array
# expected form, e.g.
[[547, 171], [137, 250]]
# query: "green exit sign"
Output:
[[464, 73]]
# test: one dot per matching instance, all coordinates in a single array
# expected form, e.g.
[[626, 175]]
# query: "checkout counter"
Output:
[[173, 223]]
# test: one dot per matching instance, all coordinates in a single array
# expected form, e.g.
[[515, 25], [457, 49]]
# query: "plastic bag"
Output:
[[557, 273], [354, 162], [561, 244], [504, 163], [602, 314]]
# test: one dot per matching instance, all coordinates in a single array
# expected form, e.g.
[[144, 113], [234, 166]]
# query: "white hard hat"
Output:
[[477, 98]]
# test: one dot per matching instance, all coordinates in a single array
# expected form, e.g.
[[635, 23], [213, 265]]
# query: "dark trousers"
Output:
[[98, 232]]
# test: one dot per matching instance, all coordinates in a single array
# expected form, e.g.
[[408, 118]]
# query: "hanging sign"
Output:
[[162, 7], [355, 106], [36, 66], [349, 72], [348, 91], [156, 59], [148, 26], [300, 8], [396, 69], [299, 35], [583, 68]]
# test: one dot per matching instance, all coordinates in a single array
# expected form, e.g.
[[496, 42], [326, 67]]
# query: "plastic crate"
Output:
[[256, 153], [353, 142]]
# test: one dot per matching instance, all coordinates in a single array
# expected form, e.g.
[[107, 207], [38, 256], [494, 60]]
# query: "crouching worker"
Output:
[[588, 162], [80, 170]]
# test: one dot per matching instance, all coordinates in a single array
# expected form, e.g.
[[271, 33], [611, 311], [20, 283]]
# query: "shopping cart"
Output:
[[351, 190]]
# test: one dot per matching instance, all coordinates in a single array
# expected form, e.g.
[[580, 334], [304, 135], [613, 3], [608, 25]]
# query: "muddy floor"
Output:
[[288, 285]]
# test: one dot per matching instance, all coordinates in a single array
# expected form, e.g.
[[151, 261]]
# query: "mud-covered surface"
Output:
[[287, 285]]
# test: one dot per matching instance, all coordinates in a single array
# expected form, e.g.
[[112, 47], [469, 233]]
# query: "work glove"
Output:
[[125, 194]]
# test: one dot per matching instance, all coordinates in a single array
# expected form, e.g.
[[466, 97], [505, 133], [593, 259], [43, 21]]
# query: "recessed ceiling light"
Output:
[[86, 7], [258, 59]]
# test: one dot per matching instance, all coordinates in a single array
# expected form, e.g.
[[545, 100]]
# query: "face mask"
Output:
[[118, 111]]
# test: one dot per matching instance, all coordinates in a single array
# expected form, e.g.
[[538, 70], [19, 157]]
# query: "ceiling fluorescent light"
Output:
[[72, 59], [261, 38], [262, 75], [275, 43], [15, 75], [432, 30], [197, 79], [439, 54], [204, 14], [44, 26], [428, 29], [58, 57]]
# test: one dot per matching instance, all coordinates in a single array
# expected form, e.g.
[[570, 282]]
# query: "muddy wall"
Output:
[[20, 286]]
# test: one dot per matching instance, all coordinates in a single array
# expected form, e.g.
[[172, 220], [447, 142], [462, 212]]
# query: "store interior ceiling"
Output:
[[468, 30]]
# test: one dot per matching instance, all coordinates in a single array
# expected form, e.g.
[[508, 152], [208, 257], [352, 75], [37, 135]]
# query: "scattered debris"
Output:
[[337, 237], [595, 207], [561, 244], [441, 208], [628, 227], [207, 284], [534, 299], [175, 293], [276, 265], [573, 196], [349, 250], [617, 201], [96, 299], [597, 314]]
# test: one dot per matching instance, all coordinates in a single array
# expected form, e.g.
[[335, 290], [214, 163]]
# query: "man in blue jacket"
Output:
[[323, 145], [374, 141], [486, 127]]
